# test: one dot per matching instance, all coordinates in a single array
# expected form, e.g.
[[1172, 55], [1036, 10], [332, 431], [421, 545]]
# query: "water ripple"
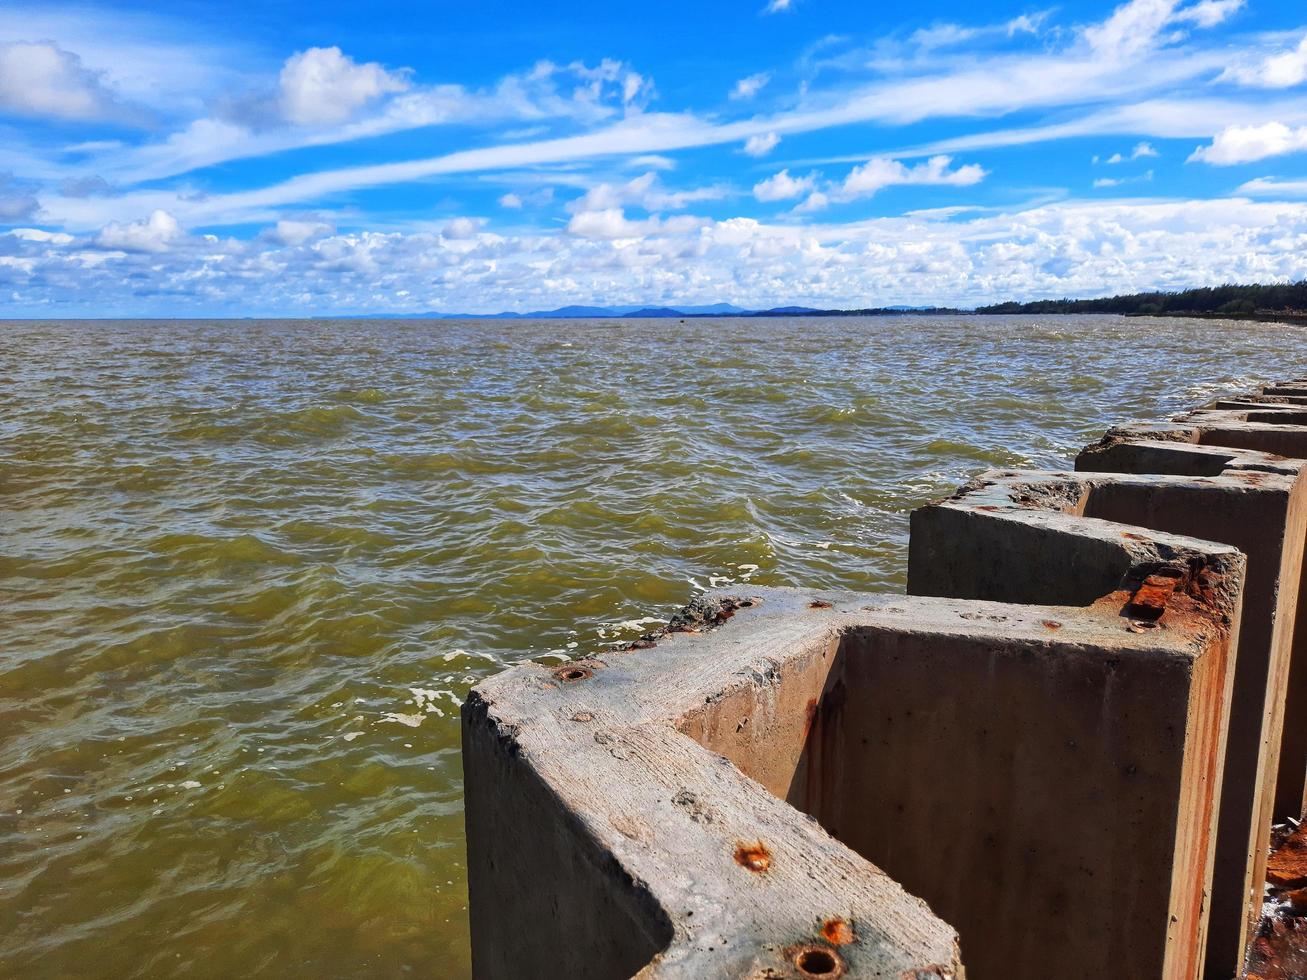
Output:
[[250, 569]]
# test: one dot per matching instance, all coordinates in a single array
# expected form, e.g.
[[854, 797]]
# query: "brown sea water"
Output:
[[249, 569]]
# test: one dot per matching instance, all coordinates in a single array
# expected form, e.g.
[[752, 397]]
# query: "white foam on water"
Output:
[[190, 784], [635, 624], [350, 736], [412, 721]]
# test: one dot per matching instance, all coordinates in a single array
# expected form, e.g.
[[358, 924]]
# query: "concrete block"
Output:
[[1195, 445], [1043, 776], [1262, 510]]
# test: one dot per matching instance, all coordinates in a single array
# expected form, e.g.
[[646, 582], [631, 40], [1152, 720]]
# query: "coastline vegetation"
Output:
[[1252, 301]]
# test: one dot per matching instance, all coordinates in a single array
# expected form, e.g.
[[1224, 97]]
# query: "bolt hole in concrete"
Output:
[[573, 673], [817, 963]]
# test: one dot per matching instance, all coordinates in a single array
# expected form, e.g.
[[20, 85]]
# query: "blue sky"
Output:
[[307, 159]]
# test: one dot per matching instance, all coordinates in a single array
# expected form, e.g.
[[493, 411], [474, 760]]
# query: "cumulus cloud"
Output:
[[782, 187], [322, 86], [461, 229], [747, 88], [881, 172], [761, 144], [646, 192], [41, 79], [1280, 70], [1244, 144], [612, 224], [157, 233], [517, 200], [293, 232], [777, 6], [1072, 248]]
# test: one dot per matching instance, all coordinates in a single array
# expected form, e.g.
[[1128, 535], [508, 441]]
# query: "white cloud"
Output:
[[612, 224], [747, 88], [645, 192], [652, 161], [40, 235], [777, 6], [1244, 144], [782, 187], [761, 144], [1072, 248], [1132, 29], [1140, 151], [1270, 187], [322, 86], [632, 85], [1118, 181], [813, 202], [1209, 13], [1077, 73], [138, 56], [881, 172], [292, 232], [1280, 70], [943, 35], [608, 223], [156, 233], [42, 79], [461, 229], [517, 200]]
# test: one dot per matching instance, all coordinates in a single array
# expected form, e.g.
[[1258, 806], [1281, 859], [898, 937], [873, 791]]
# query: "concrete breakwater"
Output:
[[1061, 754]]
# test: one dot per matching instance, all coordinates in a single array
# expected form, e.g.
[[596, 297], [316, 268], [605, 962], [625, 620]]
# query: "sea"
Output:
[[249, 569]]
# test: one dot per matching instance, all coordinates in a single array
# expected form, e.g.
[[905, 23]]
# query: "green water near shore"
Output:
[[248, 571]]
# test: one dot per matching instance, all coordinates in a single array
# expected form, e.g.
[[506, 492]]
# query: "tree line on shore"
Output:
[[1228, 299]]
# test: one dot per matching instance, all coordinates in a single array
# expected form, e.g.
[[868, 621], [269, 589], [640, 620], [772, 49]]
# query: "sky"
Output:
[[293, 159]]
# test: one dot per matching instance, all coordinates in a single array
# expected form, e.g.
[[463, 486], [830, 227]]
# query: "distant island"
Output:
[[1286, 303]]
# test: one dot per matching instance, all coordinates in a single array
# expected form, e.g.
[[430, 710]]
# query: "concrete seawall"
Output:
[[1060, 755]]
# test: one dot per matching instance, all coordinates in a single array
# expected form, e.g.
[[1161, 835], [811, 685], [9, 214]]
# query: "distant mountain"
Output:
[[659, 312], [592, 313]]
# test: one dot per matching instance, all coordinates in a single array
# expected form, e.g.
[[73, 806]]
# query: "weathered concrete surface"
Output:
[[1031, 771], [1194, 445], [606, 842], [1262, 511]]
